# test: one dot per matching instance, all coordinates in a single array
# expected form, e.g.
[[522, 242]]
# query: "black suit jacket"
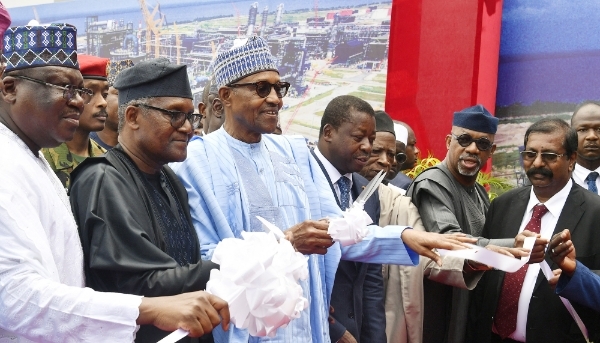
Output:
[[547, 318], [357, 296]]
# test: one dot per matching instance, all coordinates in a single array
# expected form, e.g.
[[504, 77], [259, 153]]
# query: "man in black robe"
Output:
[[131, 210]]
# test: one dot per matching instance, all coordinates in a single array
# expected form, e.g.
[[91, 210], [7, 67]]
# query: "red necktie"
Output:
[[508, 304]]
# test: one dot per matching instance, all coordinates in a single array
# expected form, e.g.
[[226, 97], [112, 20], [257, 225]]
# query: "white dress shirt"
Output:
[[555, 206], [580, 173], [333, 173]]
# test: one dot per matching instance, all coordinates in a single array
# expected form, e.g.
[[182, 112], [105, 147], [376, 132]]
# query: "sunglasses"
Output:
[[69, 91], [263, 88], [548, 157], [178, 118], [483, 144], [400, 158]]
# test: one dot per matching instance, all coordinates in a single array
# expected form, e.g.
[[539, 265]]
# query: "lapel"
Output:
[[516, 208], [572, 211]]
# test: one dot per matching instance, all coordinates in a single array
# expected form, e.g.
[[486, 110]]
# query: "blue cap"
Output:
[[476, 118], [40, 46], [238, 62]]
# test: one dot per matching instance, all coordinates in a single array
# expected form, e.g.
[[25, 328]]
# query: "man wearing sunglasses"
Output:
[[42, 294], [450, 200], [522, 306], [65, 157], [131, 210], [396, 176], [241, 171]]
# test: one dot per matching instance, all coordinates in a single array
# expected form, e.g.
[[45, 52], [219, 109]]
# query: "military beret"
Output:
[[93, 67], [476, 118], [153, 78]]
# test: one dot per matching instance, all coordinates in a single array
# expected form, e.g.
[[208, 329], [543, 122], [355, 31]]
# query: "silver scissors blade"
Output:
[[370, 188]]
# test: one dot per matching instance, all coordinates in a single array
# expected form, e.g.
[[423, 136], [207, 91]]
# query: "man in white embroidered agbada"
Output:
[[42, 297]]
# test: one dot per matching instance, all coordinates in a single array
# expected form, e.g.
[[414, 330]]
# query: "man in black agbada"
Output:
[[131, 210]]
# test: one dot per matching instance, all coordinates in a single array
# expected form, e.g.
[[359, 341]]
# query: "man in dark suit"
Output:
[[521, 306], [345, 142]]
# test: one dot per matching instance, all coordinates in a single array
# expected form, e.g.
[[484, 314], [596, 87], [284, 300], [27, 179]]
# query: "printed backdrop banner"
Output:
[[323, 48]]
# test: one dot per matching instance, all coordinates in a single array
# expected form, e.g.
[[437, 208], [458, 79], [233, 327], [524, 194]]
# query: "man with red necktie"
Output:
[[522, 306]]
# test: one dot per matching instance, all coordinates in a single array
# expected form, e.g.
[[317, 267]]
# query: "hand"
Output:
[[554, 280], [347, 338], [310, 237], [562, 252], [196, 312], [423, 242], [511, 252], [331, 319], [539, 248]]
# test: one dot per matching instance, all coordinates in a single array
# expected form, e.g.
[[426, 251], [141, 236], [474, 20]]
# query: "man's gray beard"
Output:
[[467, 173]]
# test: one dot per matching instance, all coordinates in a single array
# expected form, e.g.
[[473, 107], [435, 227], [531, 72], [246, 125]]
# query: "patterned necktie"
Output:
[[591, 182], [344, 185], [508, 304]]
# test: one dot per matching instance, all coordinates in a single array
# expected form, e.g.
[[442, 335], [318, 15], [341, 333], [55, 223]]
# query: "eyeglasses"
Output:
[[69, 91], [548, 157], [263, 88], [483, 144], [177, 117]]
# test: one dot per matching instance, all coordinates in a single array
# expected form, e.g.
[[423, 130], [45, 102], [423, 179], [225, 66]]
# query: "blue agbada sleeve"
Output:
[[583, 287], [382, 245]]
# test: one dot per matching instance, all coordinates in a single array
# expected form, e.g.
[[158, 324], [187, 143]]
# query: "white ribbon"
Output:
[[492, 258], [549, 274], [258, 278], [352, 227]]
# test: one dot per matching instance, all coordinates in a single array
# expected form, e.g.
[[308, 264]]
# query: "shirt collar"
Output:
[[332, 172], [555, 204], [582, 172]]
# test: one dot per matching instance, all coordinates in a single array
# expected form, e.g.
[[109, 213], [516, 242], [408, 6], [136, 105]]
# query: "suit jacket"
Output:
[[547, 318], [358, 296]]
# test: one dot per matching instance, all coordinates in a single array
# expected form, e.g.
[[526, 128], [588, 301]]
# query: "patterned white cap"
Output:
[[240, 61]]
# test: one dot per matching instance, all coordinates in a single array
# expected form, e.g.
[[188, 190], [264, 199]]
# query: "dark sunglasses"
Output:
[[263, 88], [483, 144], [69, 91], [178, 118], [400, 158], [548, 157]]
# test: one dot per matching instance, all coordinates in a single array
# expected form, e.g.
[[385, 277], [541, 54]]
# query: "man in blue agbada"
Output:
[[240, 171]]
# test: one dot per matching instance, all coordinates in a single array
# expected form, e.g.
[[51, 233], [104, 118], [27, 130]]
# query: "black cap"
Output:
[[153, 78], [383, 122]]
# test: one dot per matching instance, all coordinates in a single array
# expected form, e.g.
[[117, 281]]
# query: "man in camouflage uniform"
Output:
[[65, 157]]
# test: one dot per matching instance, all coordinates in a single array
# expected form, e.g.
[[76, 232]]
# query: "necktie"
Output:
[[591, 182], [344, 185], [508, 304]]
